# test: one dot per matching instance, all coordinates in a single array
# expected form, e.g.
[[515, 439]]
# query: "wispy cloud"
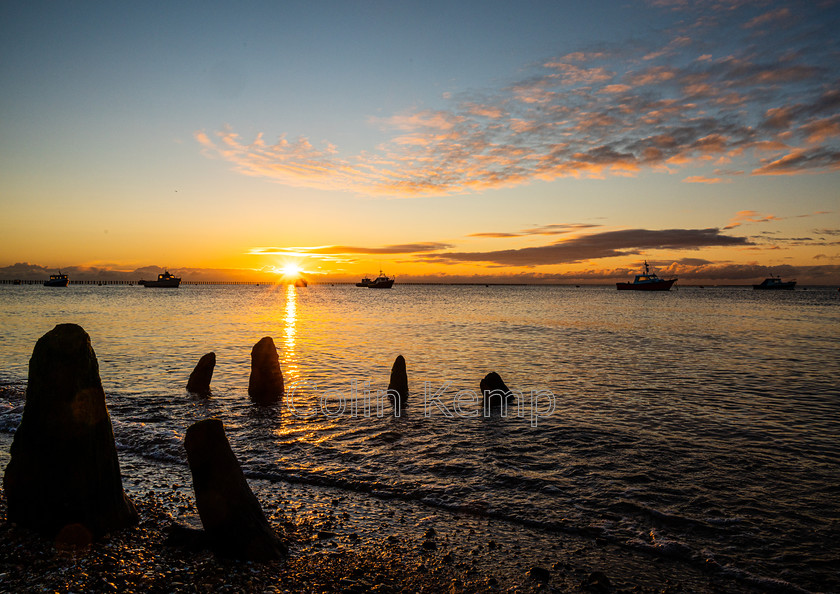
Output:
[[702, 179], [768, 103], [749, 216], [553, 229], [752, 216], [344, 250], [801, 161], [779, 14]]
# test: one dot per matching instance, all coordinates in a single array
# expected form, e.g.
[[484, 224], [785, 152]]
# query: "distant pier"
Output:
[[126, 282]]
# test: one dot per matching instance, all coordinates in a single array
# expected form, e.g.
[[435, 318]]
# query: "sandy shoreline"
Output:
[[138, 560], [339, 542]]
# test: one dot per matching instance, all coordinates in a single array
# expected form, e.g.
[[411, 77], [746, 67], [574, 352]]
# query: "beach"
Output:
[[340, 542]]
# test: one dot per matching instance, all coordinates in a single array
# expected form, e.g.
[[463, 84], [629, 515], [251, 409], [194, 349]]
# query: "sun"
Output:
[[291, 269]]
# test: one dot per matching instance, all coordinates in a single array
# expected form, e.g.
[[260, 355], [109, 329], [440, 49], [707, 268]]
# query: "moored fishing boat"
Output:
[[56, 280], [648, 281], [775, 283], [382, 282], [164, 280]]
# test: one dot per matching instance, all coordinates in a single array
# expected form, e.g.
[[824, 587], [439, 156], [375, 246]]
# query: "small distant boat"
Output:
[[380, 282], [57, 280], [775, 282], [647, 282], [164, 280]]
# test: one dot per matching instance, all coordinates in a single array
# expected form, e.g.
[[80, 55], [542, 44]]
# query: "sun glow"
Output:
[[291, 269]]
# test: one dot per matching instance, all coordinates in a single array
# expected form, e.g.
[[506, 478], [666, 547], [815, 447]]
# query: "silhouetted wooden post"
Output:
[[398, 384], [265, 385], [63, 477], [199, 382], [492, 387], [233, 520]]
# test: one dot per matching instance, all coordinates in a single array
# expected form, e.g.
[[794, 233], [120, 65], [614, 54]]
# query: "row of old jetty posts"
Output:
[[63, 478], [266, 386]]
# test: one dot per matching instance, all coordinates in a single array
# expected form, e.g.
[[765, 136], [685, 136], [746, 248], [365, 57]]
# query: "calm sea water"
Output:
[[697, 424]]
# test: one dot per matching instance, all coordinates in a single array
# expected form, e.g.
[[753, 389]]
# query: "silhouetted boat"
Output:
[[380, 282], [165, 280], [57, 280], [775, 282], [647, 282], [301, 282]]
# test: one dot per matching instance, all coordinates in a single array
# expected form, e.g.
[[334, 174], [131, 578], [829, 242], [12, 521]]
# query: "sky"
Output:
[[437, 141]]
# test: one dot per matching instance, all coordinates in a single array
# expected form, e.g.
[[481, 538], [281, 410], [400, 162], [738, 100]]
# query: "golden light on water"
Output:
[[289, 331]]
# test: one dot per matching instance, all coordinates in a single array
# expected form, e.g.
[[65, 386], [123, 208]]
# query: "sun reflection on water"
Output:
[[289, 330]]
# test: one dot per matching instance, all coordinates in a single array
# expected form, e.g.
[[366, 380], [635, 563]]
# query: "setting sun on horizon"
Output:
[[291, 269]]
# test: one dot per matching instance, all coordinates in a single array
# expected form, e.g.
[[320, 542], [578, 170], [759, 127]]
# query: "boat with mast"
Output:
[[380, 282], [775, 283], [57, 280], [164, 281], [648, 281]]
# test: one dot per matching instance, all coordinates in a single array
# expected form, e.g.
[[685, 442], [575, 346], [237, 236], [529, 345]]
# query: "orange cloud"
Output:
[[486, 111], [749, 216], [823, 129], [653, 75], [570, 74], [553, 229], [801, 161], [617, 88], [779, 14], [700, 179]]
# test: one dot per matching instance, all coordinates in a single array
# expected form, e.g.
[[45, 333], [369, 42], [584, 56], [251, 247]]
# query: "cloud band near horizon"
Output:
[[607, 244]]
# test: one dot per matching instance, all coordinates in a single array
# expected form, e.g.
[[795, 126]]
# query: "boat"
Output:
[[648, 281], [164, 280], [301, 282], [775, 282], [57, 280], [380, 282]]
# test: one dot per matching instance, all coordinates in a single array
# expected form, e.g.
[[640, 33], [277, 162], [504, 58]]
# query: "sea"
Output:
[[699, 425]]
